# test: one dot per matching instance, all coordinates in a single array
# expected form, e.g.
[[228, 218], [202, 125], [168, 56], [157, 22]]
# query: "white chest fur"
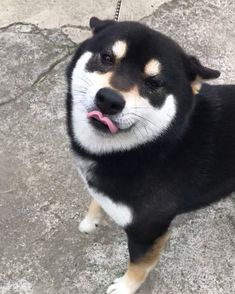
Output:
[[119, 212]]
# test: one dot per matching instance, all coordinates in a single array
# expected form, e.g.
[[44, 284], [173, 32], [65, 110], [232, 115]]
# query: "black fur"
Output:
[[188, 167]]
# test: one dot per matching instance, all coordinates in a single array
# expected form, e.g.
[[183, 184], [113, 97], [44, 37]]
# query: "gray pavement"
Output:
[[42, 199]]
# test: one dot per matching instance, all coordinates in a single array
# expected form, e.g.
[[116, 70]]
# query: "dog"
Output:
[[151, 140]]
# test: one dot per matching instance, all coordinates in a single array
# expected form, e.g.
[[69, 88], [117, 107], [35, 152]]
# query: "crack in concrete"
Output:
[[85, 28], [42, 76], [35, 29], [10, 25], [70, 26], [142, 19], [81, 27], [7, 101], [40, 31]]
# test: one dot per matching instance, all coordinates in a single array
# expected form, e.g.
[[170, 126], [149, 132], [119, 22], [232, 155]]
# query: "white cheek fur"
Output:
[[155, 120]]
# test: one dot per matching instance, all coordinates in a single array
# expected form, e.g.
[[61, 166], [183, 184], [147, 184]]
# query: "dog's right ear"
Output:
[[97, 24]]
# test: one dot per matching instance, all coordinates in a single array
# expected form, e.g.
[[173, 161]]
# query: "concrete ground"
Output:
[[42, 199]]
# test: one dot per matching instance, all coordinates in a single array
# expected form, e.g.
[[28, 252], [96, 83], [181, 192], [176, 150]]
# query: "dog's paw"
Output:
[[88, 225], [121, 286]]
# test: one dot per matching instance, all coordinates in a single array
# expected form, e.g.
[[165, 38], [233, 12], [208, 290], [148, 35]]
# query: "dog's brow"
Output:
[[119, 49], [152, 67]]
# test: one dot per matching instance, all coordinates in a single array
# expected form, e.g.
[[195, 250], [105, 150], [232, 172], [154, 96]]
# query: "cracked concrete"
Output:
[[42, 199], [36, 52], [71, 16]]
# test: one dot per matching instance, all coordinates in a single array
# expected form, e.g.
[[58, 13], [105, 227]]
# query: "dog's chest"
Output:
[[119, 212]]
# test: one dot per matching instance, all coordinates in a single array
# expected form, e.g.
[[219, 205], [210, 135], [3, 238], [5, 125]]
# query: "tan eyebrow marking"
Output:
[[152, 67], [119, 49]]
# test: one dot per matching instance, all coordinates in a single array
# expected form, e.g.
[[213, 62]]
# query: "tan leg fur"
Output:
[[138, 272]]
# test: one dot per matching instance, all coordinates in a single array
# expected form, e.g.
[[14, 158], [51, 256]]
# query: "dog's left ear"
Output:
[[196, 73], [97, 24]]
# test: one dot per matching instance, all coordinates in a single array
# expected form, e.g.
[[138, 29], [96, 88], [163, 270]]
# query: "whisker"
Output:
[[80, 91], [140, 107], [141, 117], [87, 81], [81, 87], [149, 128], [133, 131]]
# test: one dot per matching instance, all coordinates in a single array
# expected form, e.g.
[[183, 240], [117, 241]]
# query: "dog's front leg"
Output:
[[92, 218], [143, 258]]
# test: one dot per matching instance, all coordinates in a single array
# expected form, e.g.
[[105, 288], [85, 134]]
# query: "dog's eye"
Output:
[[107, 59]]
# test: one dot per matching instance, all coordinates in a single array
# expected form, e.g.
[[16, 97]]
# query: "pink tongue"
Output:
[[105, 120]]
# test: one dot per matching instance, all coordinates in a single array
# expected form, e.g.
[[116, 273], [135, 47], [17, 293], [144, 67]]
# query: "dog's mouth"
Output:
[[102, 122]]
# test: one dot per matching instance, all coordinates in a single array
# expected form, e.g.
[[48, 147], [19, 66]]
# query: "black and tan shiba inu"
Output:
[[151, 140]]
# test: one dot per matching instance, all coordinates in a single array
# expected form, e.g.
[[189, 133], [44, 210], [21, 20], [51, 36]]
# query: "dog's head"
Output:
[[130, 85]]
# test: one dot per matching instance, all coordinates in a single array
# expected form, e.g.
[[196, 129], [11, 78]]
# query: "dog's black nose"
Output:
[[109, 101]]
